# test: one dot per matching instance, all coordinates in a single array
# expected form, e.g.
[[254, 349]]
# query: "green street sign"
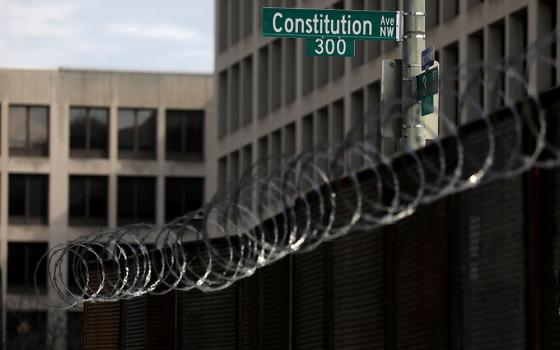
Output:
[[330, 47], [427, 105], [334, 24], [427, 85]]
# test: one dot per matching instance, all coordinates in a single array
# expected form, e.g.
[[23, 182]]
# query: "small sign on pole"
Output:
[[428, 58], [427, 85]]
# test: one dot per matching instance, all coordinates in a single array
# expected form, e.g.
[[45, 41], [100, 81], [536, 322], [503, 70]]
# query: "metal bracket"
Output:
[[416, 13], [414, 36]]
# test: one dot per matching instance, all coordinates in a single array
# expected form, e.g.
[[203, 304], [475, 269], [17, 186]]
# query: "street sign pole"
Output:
[[414, 42]]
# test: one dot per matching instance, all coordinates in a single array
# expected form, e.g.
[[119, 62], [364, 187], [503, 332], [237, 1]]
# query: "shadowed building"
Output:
[[272, 99], [85, 149]]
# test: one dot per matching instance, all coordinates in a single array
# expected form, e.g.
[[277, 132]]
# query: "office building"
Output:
[[272, 99], [84, 149]]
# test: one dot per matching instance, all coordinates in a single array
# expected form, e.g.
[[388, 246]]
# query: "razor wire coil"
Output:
[[291, 204]]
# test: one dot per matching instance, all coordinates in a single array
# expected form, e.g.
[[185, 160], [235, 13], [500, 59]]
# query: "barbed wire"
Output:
[[293, 203]]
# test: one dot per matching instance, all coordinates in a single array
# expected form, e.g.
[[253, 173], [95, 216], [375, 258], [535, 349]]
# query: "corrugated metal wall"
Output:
[[208, 321], [454, 275], [493, 267], [472, 271], [309, 298], [421, 280], [102, 326], [358, 294], [135, 323]]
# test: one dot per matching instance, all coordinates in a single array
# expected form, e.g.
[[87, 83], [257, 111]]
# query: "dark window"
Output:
[[88, 200], [26, 330], [136, 200], [182, 195], [185, 135], [29, 131], [89, 132], [22, 262], [28, 199], [137, 133]]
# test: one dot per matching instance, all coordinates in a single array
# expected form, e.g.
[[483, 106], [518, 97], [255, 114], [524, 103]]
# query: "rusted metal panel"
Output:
[[161, 322], [135, 321], [102, 326], [551, 253]]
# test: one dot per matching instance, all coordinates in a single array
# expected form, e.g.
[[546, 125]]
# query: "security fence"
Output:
[[473, 270]]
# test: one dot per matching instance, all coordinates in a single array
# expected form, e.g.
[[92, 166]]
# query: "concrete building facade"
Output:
[[81, 150], [272, 99]]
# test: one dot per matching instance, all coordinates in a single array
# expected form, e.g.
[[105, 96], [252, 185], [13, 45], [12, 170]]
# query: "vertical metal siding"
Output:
[[249, 313], [208, 321], [551, 302], [276, 305], [102, 328], [421, 280], [358, 315], [309, 300], [135, 323], [494, 267], [161, 324]]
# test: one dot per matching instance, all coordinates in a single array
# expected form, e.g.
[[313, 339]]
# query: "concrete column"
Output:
[[299, 135], [4, 145], [58, 199], [113, 159], [160, 158], [58, 177]]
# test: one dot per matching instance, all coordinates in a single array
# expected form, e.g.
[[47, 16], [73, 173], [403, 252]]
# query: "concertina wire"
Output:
[[291, 204]]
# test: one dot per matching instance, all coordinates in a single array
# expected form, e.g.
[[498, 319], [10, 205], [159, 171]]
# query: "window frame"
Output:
[[183, 181], [28, 219], [28, 151], [136, 197], [28, 287], [183, 155], [87, 220], [88, 151], [136, 152]]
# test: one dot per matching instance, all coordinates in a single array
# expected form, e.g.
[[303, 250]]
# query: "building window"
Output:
[[28, 199], [29, 131], [182, 195], [137, 133], [136, 200], [89, 132], [88, 201], [26, 330], [22, 262], [185, 135]]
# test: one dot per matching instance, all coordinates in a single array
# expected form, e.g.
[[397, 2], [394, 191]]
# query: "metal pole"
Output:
[[414, 42]]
